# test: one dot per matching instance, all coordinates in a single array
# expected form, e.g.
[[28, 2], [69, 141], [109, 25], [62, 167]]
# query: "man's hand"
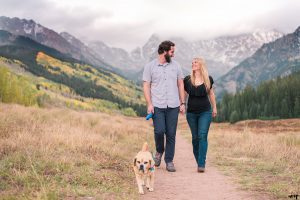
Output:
[[150, 109]]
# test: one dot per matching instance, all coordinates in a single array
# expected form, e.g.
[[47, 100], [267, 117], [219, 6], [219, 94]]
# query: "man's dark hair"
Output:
[[165, 46]]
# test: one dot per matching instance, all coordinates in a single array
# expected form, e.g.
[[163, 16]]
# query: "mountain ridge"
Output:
[[278, 58]]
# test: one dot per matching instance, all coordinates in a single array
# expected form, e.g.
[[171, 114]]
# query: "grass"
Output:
[[65, 154], [261, 156]]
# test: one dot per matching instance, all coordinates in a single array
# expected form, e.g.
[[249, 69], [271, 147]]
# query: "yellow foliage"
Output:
[[117, 85], [48, 62]]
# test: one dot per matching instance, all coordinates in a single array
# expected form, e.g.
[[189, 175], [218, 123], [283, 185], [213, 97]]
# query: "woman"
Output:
[[201, 108]]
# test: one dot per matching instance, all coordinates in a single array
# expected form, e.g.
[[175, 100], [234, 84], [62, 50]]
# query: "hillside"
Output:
[[278, 58], [78, 86], [20, 86]]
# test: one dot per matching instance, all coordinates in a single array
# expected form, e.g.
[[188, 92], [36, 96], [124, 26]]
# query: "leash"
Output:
[[149, 116]]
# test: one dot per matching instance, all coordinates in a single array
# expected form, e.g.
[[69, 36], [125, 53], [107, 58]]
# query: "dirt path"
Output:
[[187, 184]]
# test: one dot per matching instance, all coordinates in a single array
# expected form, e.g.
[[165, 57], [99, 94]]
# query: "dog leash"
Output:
[[149, 116]]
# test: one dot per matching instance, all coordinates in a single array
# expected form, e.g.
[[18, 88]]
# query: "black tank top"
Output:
[[198, 99]]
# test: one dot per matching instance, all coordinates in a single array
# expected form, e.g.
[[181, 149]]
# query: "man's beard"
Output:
[[168, 58]]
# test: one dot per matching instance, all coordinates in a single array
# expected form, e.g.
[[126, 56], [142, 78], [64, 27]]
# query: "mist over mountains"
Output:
[[221, 53], [233, 61]]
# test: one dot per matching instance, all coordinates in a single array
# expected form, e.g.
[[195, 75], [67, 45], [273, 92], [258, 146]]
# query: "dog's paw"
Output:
[[150, 189]]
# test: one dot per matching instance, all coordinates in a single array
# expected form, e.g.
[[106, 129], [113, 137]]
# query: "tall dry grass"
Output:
[[64, 154], [263, 156]]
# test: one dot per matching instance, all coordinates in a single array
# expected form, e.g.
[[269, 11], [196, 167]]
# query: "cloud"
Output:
[[129, 23]]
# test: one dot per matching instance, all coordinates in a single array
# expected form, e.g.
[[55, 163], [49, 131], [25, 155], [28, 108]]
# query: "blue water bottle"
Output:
[[150, 115]]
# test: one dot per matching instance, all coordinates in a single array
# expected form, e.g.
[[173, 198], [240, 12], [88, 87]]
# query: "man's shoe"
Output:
[[201, 169], [170, 167], [157, 159]]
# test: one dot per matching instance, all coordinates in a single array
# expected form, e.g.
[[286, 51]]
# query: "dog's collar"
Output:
[[151, 169]]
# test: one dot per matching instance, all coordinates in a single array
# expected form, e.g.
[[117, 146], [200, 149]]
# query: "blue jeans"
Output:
[[165, 122], [199, 125]]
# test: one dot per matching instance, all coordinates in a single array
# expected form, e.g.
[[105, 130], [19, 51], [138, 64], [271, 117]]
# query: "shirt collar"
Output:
[[162, 65]]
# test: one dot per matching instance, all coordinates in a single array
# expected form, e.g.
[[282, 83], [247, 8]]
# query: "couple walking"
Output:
[[165, 91]]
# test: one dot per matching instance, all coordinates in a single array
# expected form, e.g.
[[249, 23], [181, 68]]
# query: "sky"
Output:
[[129, 23]]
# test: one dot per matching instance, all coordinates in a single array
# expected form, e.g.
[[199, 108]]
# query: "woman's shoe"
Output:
[[201, 169]]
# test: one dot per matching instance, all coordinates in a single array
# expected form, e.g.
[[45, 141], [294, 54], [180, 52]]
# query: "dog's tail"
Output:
[[145, 147]]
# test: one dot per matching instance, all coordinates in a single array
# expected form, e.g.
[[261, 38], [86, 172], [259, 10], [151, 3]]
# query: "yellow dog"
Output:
[[143, 167]]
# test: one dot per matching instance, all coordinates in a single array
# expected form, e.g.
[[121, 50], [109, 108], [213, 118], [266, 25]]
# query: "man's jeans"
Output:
[[165, 122], [199, 125]]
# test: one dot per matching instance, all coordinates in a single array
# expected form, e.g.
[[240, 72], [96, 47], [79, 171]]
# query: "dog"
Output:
[[143, 166]]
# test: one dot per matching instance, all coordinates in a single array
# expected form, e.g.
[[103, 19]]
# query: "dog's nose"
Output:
[[141, 167]]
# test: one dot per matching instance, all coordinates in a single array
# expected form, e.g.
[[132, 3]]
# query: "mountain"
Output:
[[82, 79], [278, 58], [64, 42], [117, 57], [221, 53], [38, 33], [25, 49]]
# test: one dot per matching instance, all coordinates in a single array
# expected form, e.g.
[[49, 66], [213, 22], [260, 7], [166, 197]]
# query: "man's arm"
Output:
[[181, 95], [147, 94]]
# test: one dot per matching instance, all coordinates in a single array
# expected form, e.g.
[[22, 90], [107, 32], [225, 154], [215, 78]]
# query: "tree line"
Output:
[[273, 99]]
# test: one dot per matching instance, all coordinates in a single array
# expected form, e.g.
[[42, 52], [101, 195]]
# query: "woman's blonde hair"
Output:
[[203, 72]]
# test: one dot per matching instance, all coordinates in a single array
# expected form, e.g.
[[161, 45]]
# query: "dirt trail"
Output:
[[187, 184]]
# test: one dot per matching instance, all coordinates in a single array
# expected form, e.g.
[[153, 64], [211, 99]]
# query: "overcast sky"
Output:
[[130, 23]]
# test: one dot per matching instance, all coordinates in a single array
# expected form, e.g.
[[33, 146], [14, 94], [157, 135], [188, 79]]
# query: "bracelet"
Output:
[[183, 103]]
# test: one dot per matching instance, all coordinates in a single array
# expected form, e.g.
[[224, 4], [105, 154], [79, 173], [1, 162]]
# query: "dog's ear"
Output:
[[145, 147], [134, 162]]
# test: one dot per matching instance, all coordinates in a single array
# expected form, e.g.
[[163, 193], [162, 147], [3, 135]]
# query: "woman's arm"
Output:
[[181, 95], [212, 99]]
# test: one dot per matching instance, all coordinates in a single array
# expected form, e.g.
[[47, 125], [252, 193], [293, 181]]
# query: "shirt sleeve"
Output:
[[211, 81], [179, 72], [186, 84], [147, 73]]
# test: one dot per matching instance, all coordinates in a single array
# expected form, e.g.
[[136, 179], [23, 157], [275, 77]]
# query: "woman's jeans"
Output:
[[165, 123], [199, 125]]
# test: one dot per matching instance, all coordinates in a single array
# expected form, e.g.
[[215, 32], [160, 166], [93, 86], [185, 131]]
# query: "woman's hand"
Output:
[[214, 112], [182, 108]]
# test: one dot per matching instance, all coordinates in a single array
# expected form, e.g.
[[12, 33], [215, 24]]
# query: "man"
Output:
[[164, 93]]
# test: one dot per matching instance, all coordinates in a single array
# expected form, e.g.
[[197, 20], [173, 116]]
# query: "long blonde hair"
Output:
[[203, 72]]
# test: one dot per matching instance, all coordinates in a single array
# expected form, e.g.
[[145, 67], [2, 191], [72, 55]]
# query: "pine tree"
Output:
[[284, 111], [266, 110], [253, 111], [234, 117], [297, 108], [245, 114]]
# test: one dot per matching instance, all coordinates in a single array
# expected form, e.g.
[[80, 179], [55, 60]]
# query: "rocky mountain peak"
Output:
[[297, 32]]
